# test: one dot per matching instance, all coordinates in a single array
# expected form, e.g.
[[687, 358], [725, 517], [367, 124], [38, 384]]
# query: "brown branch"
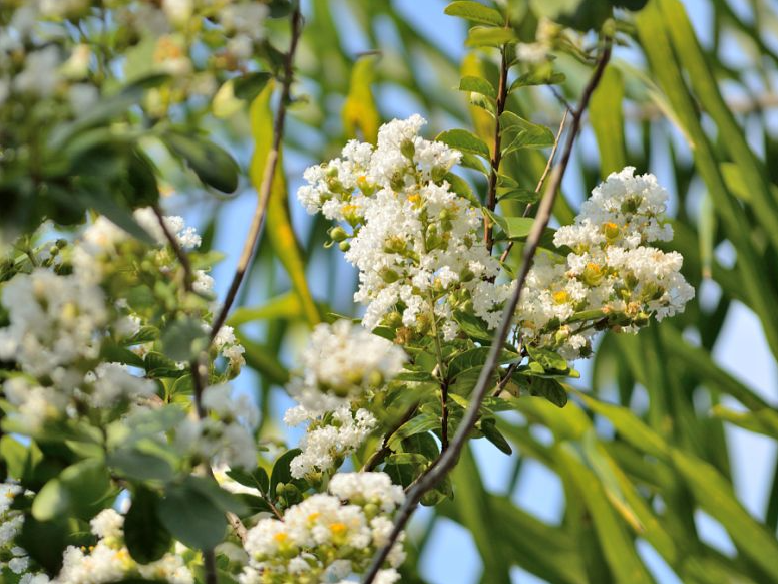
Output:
[[494, 163], [448, 459], [258, 221], [542, 179]]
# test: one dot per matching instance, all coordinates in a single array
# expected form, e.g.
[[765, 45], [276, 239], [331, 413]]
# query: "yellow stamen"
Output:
[[560, 297], [338, 528]]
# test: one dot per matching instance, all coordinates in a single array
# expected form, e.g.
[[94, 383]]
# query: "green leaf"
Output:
[[489, 428], [473, 327], [192, 517], [475, 12], [278, 223], [460, 187], [607, 117], [256, 479], [158, 365], [184, 339], [422, 422], [478, 85], [531, 138], [464, 141], [250, 85], [140, 466], [281, 472], [487, 36], [222, 499], [615, 542], [210, 162], [537, 77], [88, 484], [51, 502], [360, 110], [473, 358], [146, 538], [549, 389]]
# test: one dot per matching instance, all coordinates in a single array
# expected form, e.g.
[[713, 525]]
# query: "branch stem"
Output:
[[258, 221], [494, 163]]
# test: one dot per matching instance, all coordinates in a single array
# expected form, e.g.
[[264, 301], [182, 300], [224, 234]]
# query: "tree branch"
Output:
[[494, 163], [448, 459], [258, 221]]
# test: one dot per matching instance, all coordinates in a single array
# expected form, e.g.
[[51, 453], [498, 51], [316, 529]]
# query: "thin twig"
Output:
[[494, 163], [542, 179], [267, 179], [448, 459], [199, 381]]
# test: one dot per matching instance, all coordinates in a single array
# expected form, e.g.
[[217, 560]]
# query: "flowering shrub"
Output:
[[129, 452]]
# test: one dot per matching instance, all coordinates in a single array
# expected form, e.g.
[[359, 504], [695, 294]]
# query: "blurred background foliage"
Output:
[[641, 450]]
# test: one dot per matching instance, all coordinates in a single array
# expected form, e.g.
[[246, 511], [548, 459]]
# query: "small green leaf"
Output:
[[549, 389], [422, 422], [52, 501], [140, 466], [250, 85], [473, 327], [192, 517], [537, 78], [184, 339], [146, 538], [210, 162], [493, 435], [464, 141], [475, 12], [256, 479], [478, 85], [281, 472], [483, 36]]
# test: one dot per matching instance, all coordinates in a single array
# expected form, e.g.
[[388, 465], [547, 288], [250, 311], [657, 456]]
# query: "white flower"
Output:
[[411, 237], [611, 275], [324, 537], [324, 444]]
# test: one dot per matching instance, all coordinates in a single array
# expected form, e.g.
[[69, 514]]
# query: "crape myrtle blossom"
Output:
[[610, 273], [328, 537], [11, 522], [109, 561], [342, 364], [415, 241]]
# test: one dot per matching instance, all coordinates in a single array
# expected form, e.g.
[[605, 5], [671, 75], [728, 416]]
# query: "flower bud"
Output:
[[388, 275], [408, 149], [338, 234], [344, 246]]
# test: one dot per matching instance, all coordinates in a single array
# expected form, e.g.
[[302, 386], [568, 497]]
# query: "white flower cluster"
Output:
[[54, 322], [109, 560], [57, 324], [227, 344], [611, 275], [172, 31], [101, 241], [11, 522], [225, 435], [415, 242], [342, 363], [328, 537]]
